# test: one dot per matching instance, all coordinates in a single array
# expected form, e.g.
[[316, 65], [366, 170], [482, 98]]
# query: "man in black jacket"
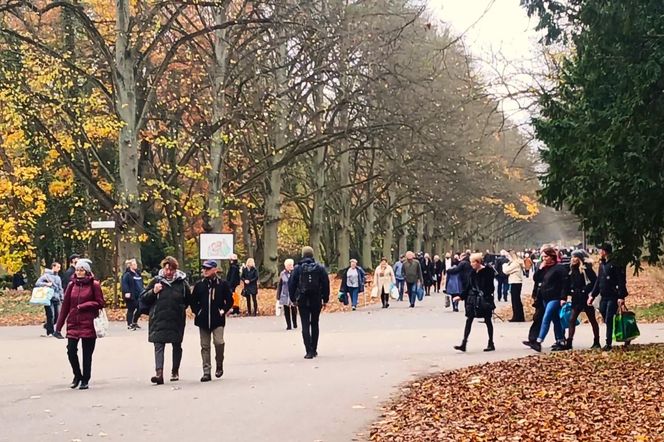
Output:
[[309, 288], [611, 284], [66, 277], [211, 300], [501, 277]]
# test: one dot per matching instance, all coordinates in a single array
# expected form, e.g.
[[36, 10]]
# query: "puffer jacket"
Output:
[[167, 308], [81, 305]]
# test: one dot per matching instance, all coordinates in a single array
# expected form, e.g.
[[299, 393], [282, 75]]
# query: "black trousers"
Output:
[[438, 282], [469, 325], [132, 308], [88, 345], [290, 312], [589, 310], [608, 308], [309, 317], [51, 317], [159, 348], [251, 298], [517, 305], [384, 298], [538, 317]]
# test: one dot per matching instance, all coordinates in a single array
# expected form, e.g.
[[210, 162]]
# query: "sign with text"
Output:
[[102, 225], [216, 245]]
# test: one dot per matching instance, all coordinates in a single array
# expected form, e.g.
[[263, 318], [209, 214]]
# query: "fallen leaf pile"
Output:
[[571, 396], [644, 290], [16, 310]]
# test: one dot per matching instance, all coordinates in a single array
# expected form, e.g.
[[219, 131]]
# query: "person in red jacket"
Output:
[[81, 305]]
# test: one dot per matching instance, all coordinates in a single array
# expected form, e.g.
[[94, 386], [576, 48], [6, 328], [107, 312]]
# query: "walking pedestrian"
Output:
[[249, 277], [51, 278], [611, 285], [580, 282], [478, 300], [438, 270], [309, 289], [514, 271], [210, 301], [427, 273], [168, 296], [550, 281], [81, 304], [132, 287], [353, 280], [233, 280], [501, 277], [412, 272], [283, 296], [383, 280], [69, 273], [398, 274], [459, 276]]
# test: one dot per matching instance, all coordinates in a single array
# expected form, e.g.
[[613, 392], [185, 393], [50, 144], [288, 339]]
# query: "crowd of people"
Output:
[[303, 291]]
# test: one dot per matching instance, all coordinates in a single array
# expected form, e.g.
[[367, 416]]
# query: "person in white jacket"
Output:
[[383, 281], [514, 271]]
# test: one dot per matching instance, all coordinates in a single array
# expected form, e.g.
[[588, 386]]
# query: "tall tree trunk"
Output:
[[428, 233], [419, 229], [367, 237], [388, 238], [213, 217], [126, 106], [316, 230], [403, 237], [246, 234], [273, 186]]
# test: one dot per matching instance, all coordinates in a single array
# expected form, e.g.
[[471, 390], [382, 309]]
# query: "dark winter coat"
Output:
[[482, 281], [611, 281], [81, 305], [211, 299], [550, 284], [463, 269], [438, 268], [167, 308], [233, 275], [293, 282], [578, 285], [427, 271], [132, 283], [67, 276], [498, 267], [361, 276], [251, 275]]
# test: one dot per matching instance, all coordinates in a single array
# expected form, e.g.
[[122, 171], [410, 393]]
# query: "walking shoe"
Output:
[[596, 346], [175, 376], [490, 347], [354, 308], [158, 378], [461, 347], [130, 327], [136, 326], [84, 385], [558, 346], [289, 328], [537, 346], [527, 343], [309, 356], [219, 373], [607, 347], [58, 335], [75, 382], [206, 378]]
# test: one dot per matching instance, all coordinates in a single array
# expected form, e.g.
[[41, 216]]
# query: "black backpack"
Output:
[[309, 283]]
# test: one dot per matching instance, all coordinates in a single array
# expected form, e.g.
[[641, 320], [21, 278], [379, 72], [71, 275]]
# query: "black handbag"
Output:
[[481, 307]]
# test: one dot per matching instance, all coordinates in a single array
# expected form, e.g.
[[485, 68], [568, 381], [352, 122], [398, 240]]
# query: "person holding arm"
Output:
[[168, 296], [82, 301]]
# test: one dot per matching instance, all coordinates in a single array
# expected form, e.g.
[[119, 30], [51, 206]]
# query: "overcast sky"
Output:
[[492, 27]]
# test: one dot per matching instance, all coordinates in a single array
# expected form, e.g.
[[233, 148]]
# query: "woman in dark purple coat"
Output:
[[83, 300]]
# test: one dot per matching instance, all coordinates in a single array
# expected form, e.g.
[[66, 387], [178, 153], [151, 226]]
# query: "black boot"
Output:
[[490, 347], [461, 347], [158, 378], [75, 382], [219, 354], [596, 344]]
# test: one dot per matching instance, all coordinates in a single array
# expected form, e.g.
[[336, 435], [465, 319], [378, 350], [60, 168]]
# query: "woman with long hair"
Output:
[[514, 271], [250, 279], [283, 295], [383, 280]]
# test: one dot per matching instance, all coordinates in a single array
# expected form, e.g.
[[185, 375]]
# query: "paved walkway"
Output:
[[269, 392]]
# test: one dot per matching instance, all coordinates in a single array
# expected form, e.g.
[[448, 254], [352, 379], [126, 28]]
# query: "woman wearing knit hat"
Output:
[[580, 282], [82, 302]]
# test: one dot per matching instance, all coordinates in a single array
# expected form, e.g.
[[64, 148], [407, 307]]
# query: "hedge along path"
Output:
[[570, 396]]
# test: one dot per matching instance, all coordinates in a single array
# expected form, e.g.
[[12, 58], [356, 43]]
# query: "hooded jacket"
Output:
[[82, 302], [56, 284], [211, 299], [167, 308]]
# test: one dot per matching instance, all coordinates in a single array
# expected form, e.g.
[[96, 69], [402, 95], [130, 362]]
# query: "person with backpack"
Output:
[[211, 300], [353, 279], [309, 289]]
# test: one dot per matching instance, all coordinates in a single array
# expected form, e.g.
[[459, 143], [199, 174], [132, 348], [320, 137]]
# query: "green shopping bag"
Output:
[[624, 327]]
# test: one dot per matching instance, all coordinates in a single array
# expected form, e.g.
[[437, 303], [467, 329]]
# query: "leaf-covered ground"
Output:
[[570, 396], [15, 309]]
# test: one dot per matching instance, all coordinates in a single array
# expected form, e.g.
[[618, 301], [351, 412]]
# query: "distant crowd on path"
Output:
[[303, 291]]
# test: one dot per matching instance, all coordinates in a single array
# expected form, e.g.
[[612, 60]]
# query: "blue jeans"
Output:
[[412, 297], [401, 284], [503, 288], [354, 293], [552, 314]]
